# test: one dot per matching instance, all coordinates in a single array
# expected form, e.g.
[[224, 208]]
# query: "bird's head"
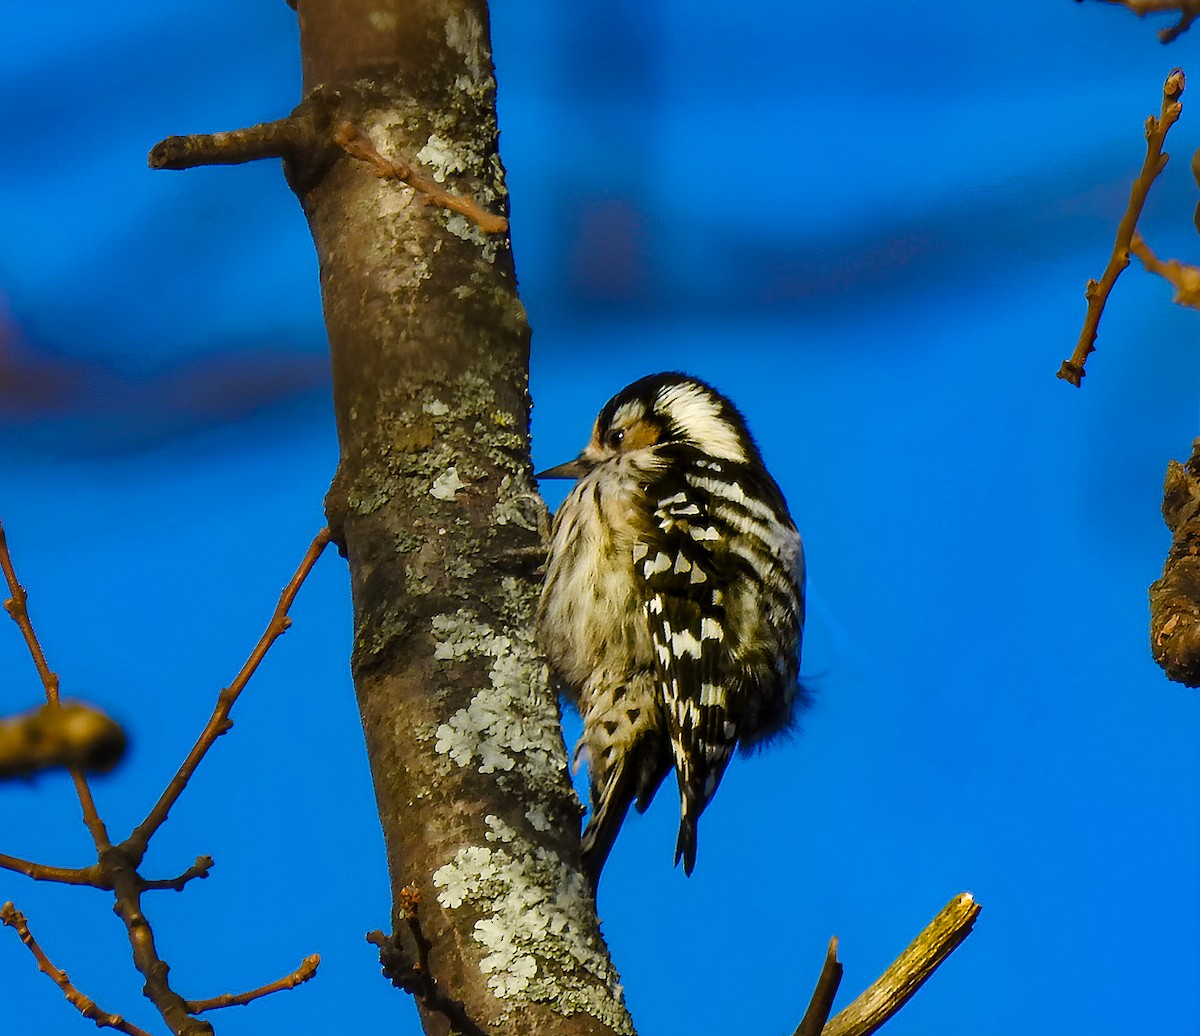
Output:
[[656, 411]]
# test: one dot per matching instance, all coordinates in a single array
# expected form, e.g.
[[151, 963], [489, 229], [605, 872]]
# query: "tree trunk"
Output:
[[434, 507]]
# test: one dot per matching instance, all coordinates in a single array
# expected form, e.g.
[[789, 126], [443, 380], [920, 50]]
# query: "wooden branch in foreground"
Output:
[[1175, 598], [86, 1006], [1189, 11], [908, 972], [1098, 291]]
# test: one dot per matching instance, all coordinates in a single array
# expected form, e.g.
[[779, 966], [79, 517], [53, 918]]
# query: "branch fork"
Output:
[[116, 867], [884, 997], [305, 138]]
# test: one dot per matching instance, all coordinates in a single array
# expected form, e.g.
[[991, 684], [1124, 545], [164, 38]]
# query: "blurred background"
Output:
[[871, 227]]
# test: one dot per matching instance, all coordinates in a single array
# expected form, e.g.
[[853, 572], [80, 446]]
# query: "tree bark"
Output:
[[434, 506], [1175, 598]]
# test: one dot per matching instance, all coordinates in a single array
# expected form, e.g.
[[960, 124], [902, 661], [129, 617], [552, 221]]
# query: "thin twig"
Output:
[[91, 815], [908, 972], [1189, 11], [1185, 278], [12, 917], [16, 606], [44, 872], [813, 1022], [219, 722], [199, 869], [1172, 33], [358, 145], [415, 977], [410, 902], [308, 968], [1098, 291]]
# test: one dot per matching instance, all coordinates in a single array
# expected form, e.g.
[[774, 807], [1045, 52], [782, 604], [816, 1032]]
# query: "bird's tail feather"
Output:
[[685, 844], [609, 807], [636, 776]]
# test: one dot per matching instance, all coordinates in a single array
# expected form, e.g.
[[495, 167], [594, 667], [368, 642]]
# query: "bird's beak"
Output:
[[576, 468]]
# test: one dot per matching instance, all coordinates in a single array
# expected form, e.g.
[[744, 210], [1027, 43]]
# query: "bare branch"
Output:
[[358, 145], [117, 866], [91, 816], [410, 903], [121, 862], [13, 918], [414, 976], [1189, 11], [813, 1022], [199, 869], [219, 722], [278, 139], [44, 872], [59, 735], [1098, 291], [308, 968], [16, 606], [908, 972]]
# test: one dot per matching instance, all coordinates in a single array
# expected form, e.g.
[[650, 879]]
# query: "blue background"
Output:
[[870, 225]]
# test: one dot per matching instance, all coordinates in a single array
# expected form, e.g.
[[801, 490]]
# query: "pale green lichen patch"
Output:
[[532, 912], [498, 830], [468, 230], [441, 157], [537, 819], [461, 567], [447, 484], [531, 929], [505, 726]]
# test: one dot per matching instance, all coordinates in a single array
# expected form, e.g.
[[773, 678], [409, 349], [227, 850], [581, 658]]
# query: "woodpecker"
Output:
[[673, 603]]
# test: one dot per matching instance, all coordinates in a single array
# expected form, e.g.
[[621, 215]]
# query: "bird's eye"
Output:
[[614, 438]]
